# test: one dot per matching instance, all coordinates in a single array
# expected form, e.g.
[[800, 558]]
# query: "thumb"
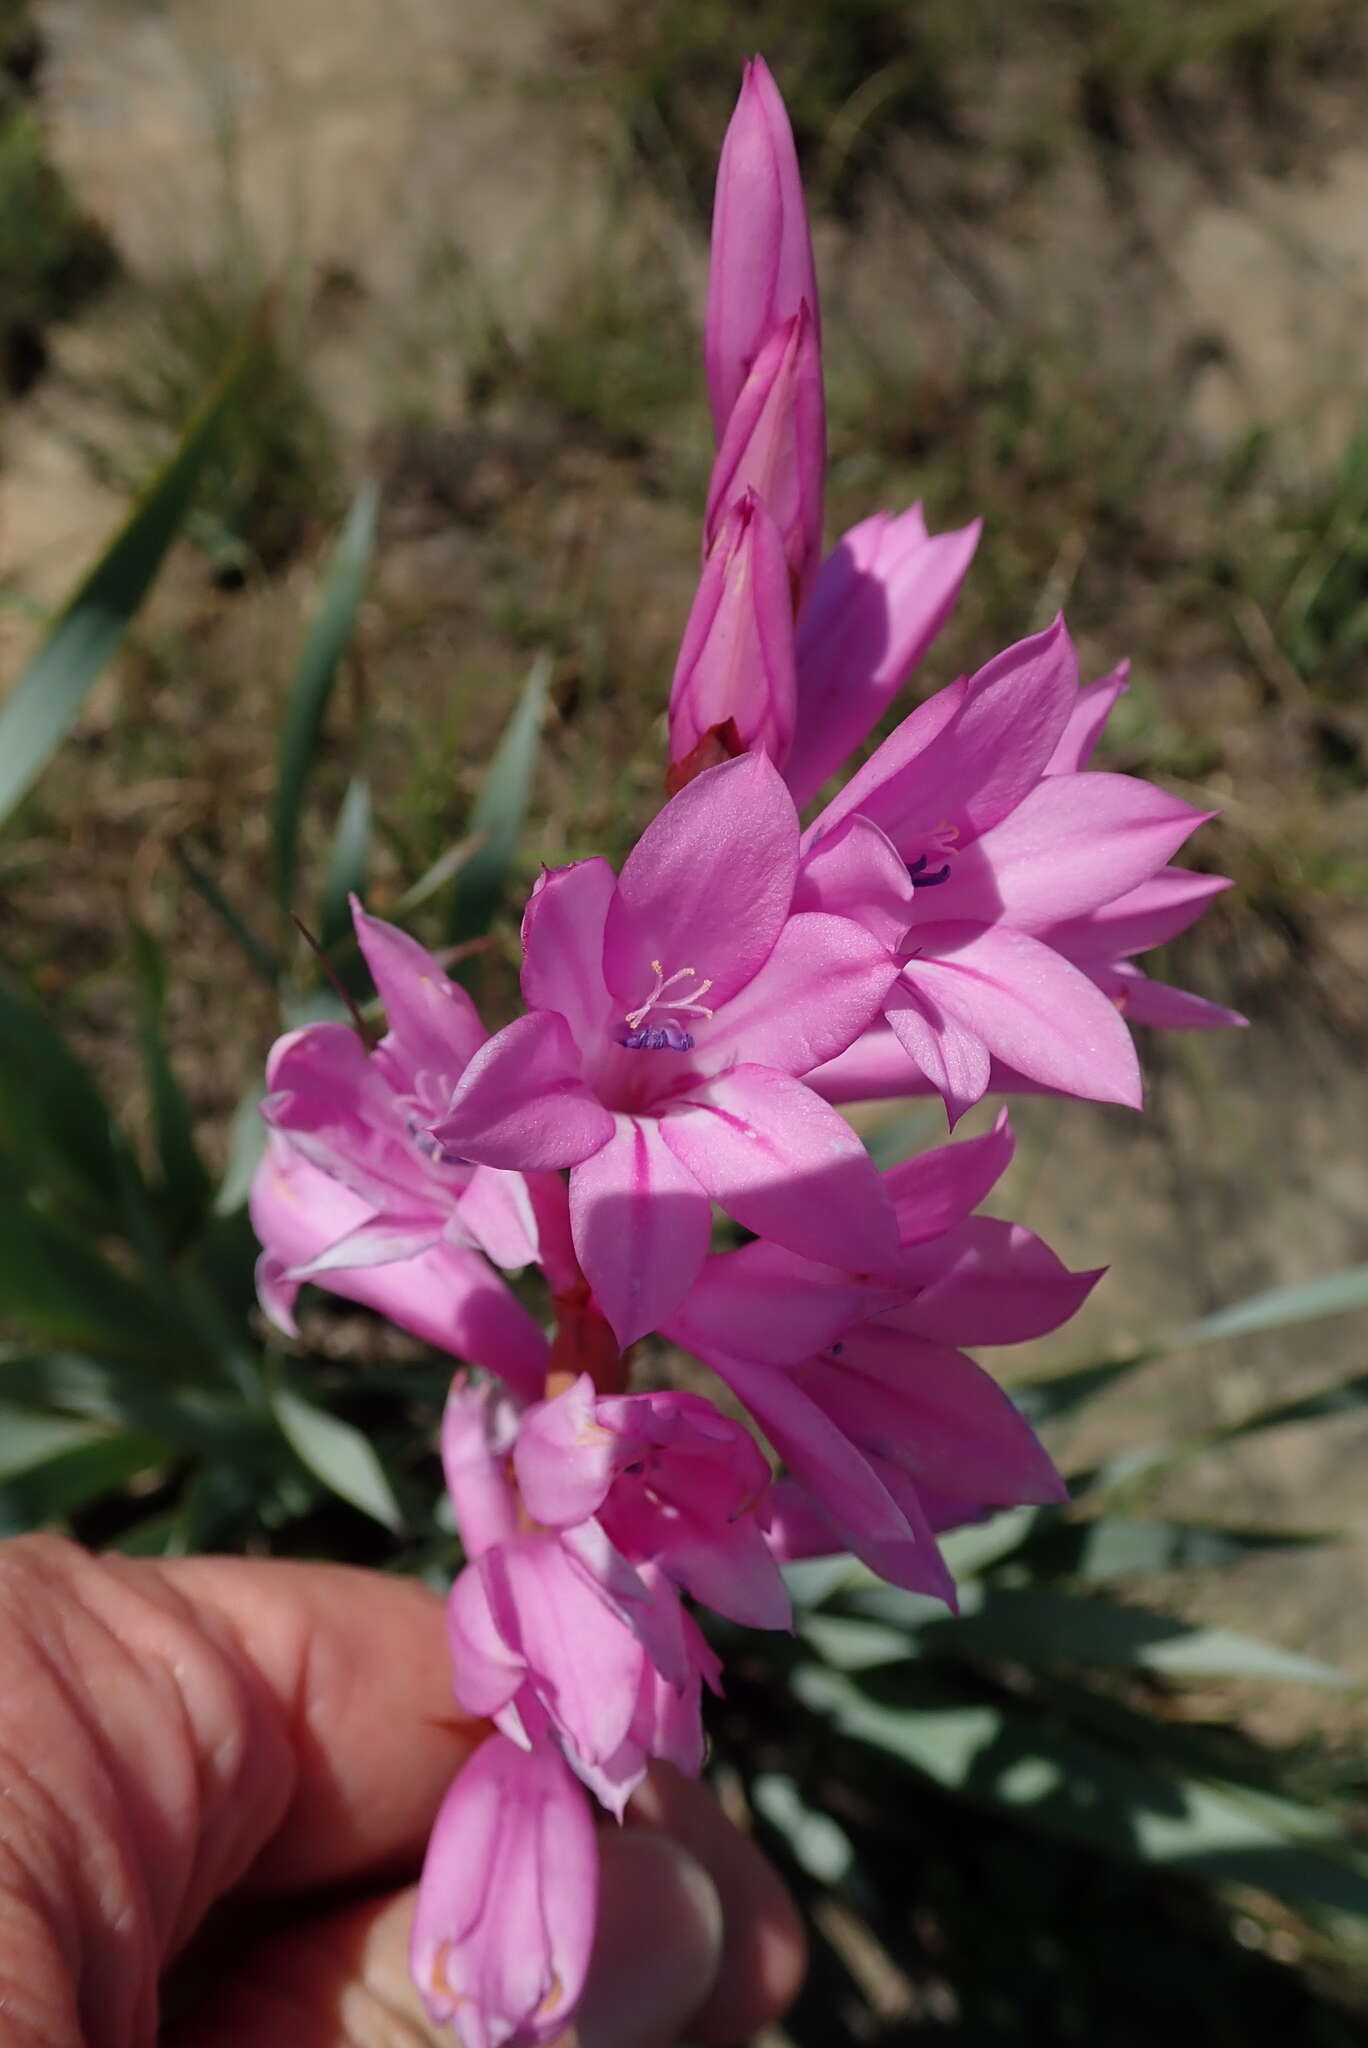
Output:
[[342, 1981]]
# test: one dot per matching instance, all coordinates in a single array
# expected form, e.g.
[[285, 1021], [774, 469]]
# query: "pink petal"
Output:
[[856, 871], [936, 1190], [562, 935], [496, 1210], [708, 885], [379, 1241], [582, 1662], [761, 270], [786, 1165], [825, 980], [504, 1924], [640, 1598], [736, 658], [565, 1459], [775, 446], [1030, 1007], [479, 1426], [445, 1296], [1072, 843], [488, 1666], [988, 1282], [521, 1102], [935, 1414], [1143, 1001], [841, 1479], [429, 1017], [771, 1306], [876, 1068], [975, 766], [879, 601], [641, 1225], [276, 1293], [1092, 708], [732, 1571], [945, 1048], [1149, 915]]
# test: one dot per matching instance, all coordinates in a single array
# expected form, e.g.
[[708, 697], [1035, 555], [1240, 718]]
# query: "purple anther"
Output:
[[432, 1148], [917, 871], [666, 1037]]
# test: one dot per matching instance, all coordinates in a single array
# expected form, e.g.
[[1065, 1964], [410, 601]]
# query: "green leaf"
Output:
[[346, 876], [52, 1116], [1110, 1547], [1005, 1755], [1035, 1625], [71, 1478], [339, 1455], [1333, 1294], [343, 588], [817, 1844], [49, 694], [1057, 1396], [246, 1144], [28, 1437], [497, 819], [185, 1182], [849, 1643], [59, 1290], [122, 1393], [257, 955]]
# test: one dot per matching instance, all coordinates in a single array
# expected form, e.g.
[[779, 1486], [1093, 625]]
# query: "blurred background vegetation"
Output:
[[1095, 269]]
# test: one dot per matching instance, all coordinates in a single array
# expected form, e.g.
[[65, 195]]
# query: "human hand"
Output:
[[201, 1747]]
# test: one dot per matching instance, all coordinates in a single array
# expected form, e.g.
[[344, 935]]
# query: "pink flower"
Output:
[[761, 273], [736, 659], [508, 1899], [672, 1013], [353, 1192], [959, 830], [888, 1430], [446, 1295], [883, 594], [573, 1631], [669, 1480], [775, 445]]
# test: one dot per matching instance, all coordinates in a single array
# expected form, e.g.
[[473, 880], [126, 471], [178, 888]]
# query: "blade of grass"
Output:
[[49, 694], [500, 809], [307, 703], [346, 874]]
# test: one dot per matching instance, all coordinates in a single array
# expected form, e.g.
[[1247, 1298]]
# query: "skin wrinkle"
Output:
[[175, 1810]]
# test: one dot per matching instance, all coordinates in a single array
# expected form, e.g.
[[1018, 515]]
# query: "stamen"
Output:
[[666, 1035], [917, 871]]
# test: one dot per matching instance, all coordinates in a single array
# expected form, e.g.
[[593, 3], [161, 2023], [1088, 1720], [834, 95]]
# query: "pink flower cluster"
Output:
[[961, 916]]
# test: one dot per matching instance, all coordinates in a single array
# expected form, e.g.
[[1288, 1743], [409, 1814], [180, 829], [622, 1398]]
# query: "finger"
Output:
[[764, 1952], [343, 1981], [356, 1667], [168, 1728]]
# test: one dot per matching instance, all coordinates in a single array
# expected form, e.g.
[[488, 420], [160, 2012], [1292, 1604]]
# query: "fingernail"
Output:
[[658, 1948]]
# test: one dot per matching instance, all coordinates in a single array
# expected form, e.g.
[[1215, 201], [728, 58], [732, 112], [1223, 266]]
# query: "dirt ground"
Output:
[[1118, 310]]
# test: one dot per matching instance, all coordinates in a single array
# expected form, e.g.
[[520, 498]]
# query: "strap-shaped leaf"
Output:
[[339, 1455], [496, 822], [1038, 1625], [47, 699], [311, 687], [1006, 1755], [346, 875], [53, 1120]]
